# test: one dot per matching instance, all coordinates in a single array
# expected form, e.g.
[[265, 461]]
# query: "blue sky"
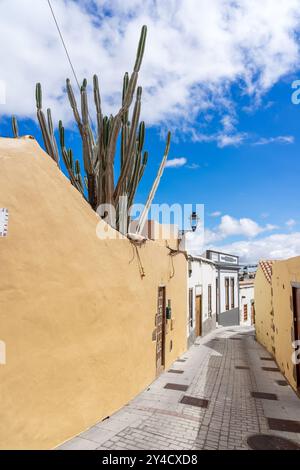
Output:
[[249, 180], [224, 91]]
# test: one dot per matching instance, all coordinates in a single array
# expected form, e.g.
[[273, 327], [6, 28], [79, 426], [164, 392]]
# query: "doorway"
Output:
[[296, 308], [198, 315], [160, 330]]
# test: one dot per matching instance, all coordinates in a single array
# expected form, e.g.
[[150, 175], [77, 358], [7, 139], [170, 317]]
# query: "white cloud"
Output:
[[253, 246], [216, 214], [176, 163], [281, 246], [193, 166], [225, 140], [2, 92], [230, 227], [291, 223], [196, 49], [281, 139]]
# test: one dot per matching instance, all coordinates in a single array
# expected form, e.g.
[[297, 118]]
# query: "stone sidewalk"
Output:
[[208, 403]]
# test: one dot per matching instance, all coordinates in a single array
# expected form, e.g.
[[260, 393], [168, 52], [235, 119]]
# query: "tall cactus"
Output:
[[99, 149], [46, 126], [15, 127]]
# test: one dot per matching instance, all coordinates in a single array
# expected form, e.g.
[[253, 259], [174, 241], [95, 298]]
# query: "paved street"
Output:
[[214, 408]]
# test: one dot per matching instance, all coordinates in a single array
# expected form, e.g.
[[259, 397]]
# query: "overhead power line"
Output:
[[63, 43], [67, 52]]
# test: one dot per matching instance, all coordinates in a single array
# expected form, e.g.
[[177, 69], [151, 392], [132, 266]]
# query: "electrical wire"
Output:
[[67, 52], [63, 43]]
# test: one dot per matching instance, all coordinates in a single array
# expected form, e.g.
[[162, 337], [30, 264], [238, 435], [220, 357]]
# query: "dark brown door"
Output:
[[245, 312], [252, 314], [160, 330], [198, 315], [296, 305]]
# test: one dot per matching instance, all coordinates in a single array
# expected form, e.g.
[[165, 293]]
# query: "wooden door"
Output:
[[198, 315], [252, 314], [160, 330], [296, 305]]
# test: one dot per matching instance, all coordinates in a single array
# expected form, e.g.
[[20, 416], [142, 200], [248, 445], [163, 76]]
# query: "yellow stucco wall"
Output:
[[263, 310], [76, 317], [275, 330]]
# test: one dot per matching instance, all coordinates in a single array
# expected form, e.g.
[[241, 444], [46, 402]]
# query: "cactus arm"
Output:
[[87, 154], [99, 151], [134, 179], [128, 161], [38, 96], [42, 120], [15, 127], [134, 125], [88, 148], [97, 100], [143, 167], [45, 133], [52, 136], [128, 94], [102, 160], [141, 49], [78, 175], [140, 164], [68, 160], [117, 122], [46, 127], [73, 104]]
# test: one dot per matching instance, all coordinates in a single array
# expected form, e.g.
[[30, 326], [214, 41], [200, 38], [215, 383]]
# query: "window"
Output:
[[245, 312], [209, 301], [232, 292], [227, 293], [191, 306]]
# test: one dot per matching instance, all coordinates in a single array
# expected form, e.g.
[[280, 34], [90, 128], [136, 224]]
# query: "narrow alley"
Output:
[[224, 390]]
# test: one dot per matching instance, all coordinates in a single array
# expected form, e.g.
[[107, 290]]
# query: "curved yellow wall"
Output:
[[284, 273], [263, 310], [76, 317], [275, 316]]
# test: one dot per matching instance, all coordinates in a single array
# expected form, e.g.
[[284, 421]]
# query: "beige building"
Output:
[[86, 322], [277, 313]]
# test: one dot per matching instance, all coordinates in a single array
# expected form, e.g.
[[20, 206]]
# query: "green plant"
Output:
[[15, 127], [46, 126], [99, 148]]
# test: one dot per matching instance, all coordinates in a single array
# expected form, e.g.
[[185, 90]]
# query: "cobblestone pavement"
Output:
[[223, 368]]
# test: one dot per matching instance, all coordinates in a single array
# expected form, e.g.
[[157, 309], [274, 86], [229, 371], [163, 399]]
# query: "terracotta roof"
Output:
[[266, 267]]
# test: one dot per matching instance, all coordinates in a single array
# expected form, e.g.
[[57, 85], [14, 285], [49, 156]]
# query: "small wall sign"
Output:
[[3, 222]]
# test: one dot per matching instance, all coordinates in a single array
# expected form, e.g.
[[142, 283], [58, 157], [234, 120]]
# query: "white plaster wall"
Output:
[[223, 276], [246, 298], [203, 275]]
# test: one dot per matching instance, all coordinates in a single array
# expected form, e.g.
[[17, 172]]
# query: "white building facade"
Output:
[[227, 287], [201, 297], [213, 289]]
